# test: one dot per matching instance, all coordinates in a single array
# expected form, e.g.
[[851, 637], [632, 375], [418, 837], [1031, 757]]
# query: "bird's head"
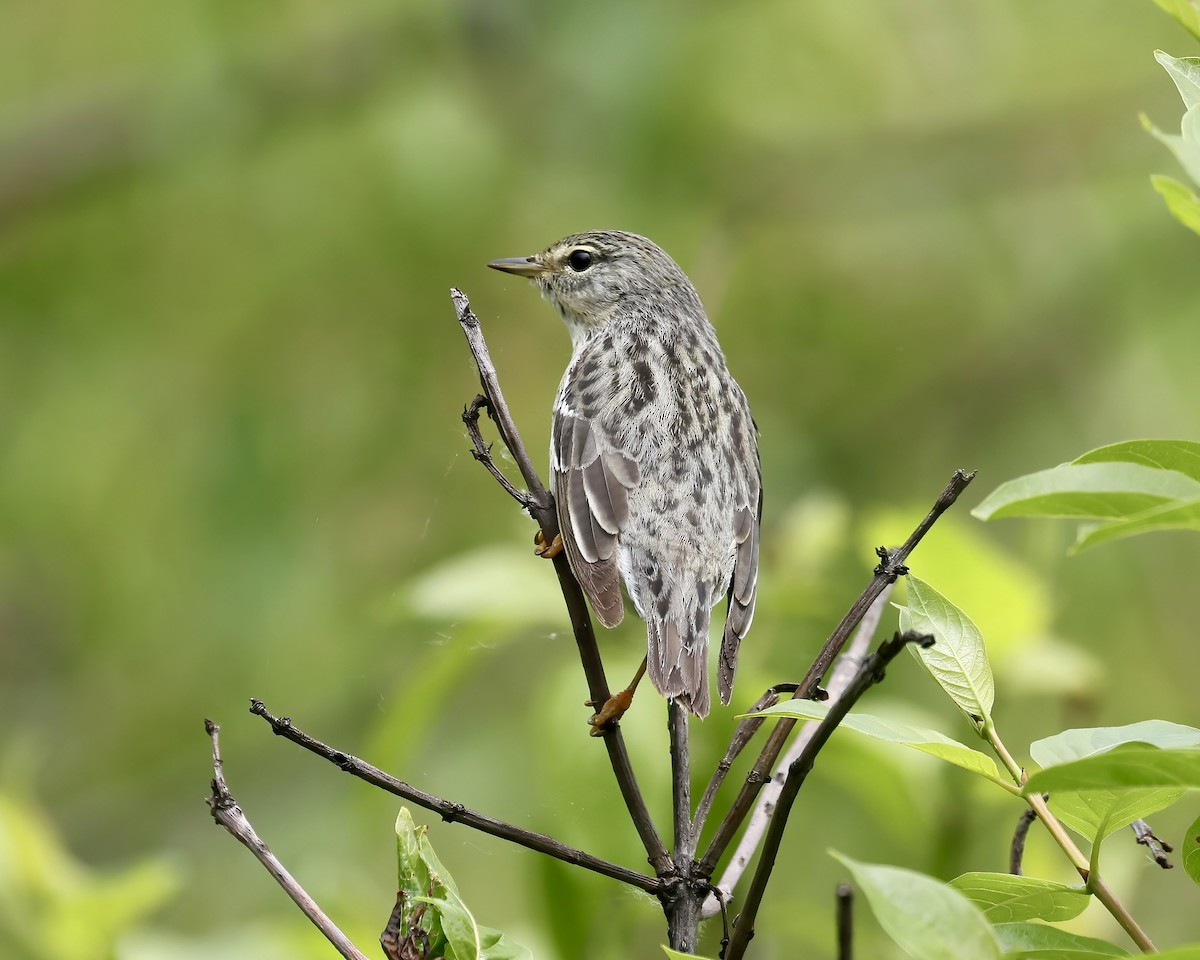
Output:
[[592, 278]]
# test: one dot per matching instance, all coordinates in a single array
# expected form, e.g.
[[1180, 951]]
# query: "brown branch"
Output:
[[481, 450], [682, 899], [226, 813], [448, 810], [756, 825], [891, 567], [1016, 852], [541, 508], [845, 921], [742, 735], [870, 673], [1158, 848]]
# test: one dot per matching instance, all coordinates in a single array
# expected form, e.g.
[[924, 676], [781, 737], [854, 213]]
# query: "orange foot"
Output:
[[615, 707], [542, 549], [612, 711]]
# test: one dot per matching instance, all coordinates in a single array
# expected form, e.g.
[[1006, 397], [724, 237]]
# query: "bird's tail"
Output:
[[677, 661]]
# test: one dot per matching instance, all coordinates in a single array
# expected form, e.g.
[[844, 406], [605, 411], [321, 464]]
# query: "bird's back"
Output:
[[655, 389]]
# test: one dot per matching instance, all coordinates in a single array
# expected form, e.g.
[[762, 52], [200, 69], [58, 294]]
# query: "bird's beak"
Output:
[[529, 267]]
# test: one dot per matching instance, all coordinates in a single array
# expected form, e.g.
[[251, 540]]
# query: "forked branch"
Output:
[[541, 507], [227, 814]]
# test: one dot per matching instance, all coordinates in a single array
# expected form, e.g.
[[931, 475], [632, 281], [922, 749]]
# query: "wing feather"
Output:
[[743, 587], [592, 479]]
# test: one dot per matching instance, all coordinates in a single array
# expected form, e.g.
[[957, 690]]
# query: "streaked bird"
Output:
[[653, 455]]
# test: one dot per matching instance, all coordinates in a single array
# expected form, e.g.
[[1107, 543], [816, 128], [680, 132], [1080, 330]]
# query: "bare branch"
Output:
[[891, 567], [482, 452], [845, 921], [870, 673], [742, 735], [449, 811], [226, 813], [682, 900], [1158, 849], [1016, 852], [756, 826], [497, 407], [541, 507]]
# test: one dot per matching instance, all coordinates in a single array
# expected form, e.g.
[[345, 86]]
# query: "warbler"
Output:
[[653, 455]]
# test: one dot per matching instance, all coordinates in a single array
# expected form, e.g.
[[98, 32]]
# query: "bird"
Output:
[[653, 456]]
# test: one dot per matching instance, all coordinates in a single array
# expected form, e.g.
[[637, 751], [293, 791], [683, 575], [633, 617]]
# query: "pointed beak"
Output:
[[528, 267]]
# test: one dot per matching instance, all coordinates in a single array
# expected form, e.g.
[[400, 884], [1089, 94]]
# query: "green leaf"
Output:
[[1189, 952], [893, 731], [1105, 491], [1185, 147], [1182, 456], [1080, 742], [1187, 12], [927, 918], [1183, 204], [1189, 851], [958, 660], [1096, 814], [451, 928], [1185, 73], [1131, 765], [458, 926], [676, 955], [1169, 516], [1005, 898], [1021, 940]]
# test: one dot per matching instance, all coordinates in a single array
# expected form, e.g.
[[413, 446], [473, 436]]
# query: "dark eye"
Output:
[[579, 260]]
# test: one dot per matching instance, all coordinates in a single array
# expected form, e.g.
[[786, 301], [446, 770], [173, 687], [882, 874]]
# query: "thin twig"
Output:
[[497, 407], [1016, 852], [541, 507], [891, 567], [450, 811], [844, 672], [681, 783], [482, 452], [870, 673], [227, 814], [682, 902], [1158, 848], [1092, 880], [845, 921], [743, 733]]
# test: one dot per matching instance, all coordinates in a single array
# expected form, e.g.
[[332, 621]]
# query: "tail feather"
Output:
[[677, 662]]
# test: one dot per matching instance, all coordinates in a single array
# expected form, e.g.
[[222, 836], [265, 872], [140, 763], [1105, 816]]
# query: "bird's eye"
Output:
[[579, 260]]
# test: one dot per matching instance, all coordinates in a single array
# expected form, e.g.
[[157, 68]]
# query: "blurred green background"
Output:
[[232, 465]]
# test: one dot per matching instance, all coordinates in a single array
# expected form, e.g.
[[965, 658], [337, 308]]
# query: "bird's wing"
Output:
[[592, 479], [743, 586]]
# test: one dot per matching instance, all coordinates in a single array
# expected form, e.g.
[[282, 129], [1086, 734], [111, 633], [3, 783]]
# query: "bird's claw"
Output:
[[612, 711], [545, 550]]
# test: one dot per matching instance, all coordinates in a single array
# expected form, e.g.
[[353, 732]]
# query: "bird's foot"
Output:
[[612, 711], [547, 550]]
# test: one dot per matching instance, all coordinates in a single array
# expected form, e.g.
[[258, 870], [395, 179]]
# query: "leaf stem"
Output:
[[1091, 878]]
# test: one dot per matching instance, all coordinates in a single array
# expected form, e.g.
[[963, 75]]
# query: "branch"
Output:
[[870, 673], [1017, 851], [541, 508], [891, 567], [756, 826], [845, 921], [681, 899], [1093, 882], [1158, 849], [742, 735], [482, 452], [453, 812], [226, 813]]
